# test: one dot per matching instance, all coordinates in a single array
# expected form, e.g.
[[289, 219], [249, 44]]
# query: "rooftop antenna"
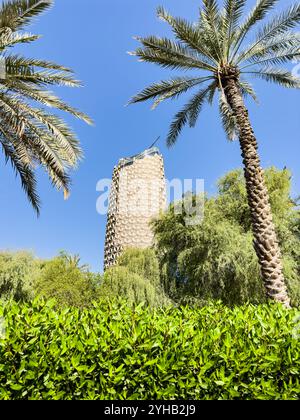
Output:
[[156, 141]]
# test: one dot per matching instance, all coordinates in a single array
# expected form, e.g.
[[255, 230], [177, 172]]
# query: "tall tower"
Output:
[[138, 194]]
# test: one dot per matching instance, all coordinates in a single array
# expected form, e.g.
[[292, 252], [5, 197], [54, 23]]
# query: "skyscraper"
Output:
[[138, 194]]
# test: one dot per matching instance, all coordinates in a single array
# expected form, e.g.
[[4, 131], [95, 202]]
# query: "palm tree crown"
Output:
[[218, 45], [30, 135]]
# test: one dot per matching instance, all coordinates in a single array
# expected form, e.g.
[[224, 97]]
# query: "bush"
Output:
[[18, 273], [65, 280], [114, 351]]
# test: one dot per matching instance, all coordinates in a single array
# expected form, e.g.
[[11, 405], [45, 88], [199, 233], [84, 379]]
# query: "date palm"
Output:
[[218, 49], [31, 136]]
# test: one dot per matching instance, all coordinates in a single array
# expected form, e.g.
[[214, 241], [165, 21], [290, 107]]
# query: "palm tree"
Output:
[[217, 45], [29, 135], [73, 261]]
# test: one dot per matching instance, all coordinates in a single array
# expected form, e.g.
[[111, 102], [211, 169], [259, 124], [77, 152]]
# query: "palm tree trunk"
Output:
[[265, 239]]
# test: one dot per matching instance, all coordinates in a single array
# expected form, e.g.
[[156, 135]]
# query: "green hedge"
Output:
[[118, 352]]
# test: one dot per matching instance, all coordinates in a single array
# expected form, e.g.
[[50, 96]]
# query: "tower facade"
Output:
[[138, 194]]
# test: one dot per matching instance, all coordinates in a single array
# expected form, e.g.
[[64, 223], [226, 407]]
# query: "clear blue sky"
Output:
[[92, 37]]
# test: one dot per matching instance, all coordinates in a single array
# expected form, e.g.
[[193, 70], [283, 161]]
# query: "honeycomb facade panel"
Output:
[[138, 194]]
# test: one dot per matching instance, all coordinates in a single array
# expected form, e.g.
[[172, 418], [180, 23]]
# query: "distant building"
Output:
[[138, 194]]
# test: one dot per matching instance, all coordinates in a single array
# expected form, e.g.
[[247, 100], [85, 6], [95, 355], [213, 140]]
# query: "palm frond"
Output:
[[247, 89], [15, 71], [19, 61], [281, 57], [198, 101], [210, 22], [287, 20], [257, 14], [45, 97], [45, 155], [21, 69], [211, 94], [266, 50], [275, 44], [188, 114], [190, 35], [66, 141], [167, 89], [37, 146], [280, 76], [278, 26], [24, 171], [169, 54], [233, 10], [32, 141], [13, 38], [15, 14], [228, 119]]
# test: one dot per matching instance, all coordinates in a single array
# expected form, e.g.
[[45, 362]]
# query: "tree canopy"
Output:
[[135, 278], [215, 259], [222, 42]]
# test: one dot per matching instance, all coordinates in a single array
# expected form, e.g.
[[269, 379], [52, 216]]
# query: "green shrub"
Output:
[[121, 282], [116, 351], [18, 273], [69, 283]]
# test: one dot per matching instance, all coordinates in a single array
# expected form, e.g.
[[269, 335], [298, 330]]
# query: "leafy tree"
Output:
[[30, 135], [135, 278], [67, 283], [18, 273], [217, 45], [215, 259], [142, 262]]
